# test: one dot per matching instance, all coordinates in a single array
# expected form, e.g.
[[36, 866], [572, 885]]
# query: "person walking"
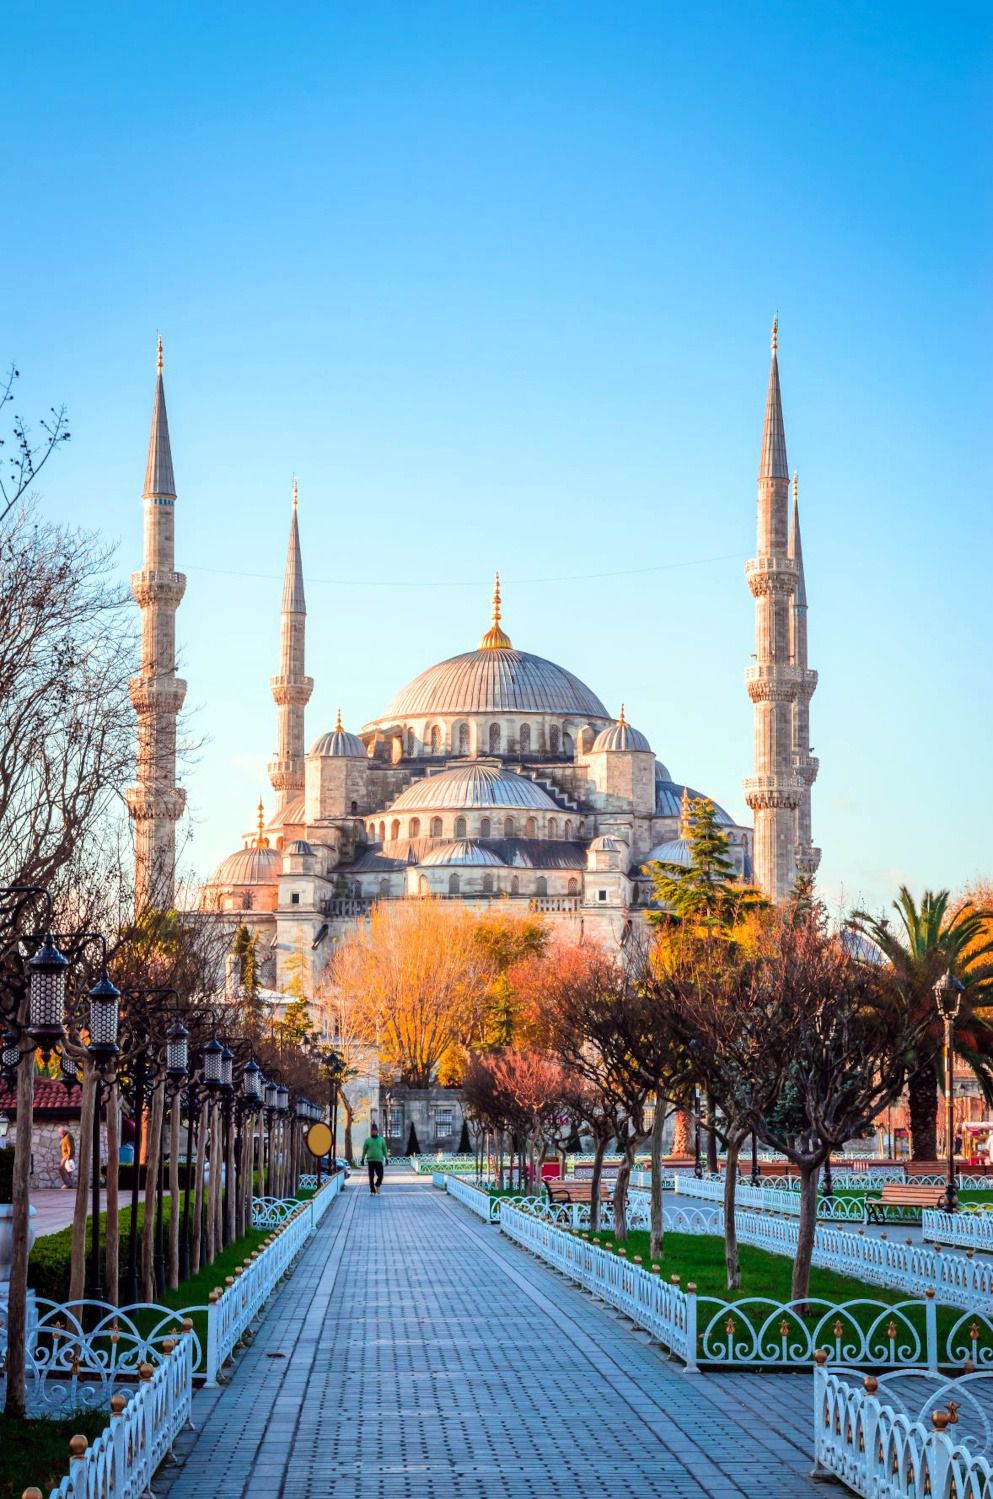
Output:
[[67, 1159], [375, 1154]]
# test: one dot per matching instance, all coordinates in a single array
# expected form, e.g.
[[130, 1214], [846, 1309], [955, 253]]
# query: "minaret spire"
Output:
[[772, 791], [291, 689], [155, 802], [804, 763], [496, 639]]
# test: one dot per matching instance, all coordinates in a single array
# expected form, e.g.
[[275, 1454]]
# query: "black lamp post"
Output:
[[697, 1170], [948, 997], [105, 1002], [227, 1097]]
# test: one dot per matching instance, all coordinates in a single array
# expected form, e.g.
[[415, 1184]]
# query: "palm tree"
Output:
[[925, 943]]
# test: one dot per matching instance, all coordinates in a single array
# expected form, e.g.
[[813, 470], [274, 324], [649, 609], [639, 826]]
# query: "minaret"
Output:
[[804, 763], [155, 801], [291, 689], [773, 791]]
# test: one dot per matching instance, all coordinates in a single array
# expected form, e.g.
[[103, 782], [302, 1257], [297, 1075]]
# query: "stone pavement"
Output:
[[416, 1354], [54, 1208]]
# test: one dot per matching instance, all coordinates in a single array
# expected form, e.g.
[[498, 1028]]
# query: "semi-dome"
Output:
[[620, 736], [495, 679], [340, 742], [474, 786], [249, 866], [669, 800], [462, 851]]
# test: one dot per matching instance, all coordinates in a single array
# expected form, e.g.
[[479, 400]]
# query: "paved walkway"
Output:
[[54, 1208], [416, 1354]]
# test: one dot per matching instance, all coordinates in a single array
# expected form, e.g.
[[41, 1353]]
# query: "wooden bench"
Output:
[[572, 1189], [899, 1195]]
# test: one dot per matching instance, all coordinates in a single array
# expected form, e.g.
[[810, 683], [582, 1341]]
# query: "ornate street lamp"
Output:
[[10, 1056], [105, 1000], [177, 1053], [948, 998], [105, 1003], [213, 1054], [251, 1082], [47, 1005]]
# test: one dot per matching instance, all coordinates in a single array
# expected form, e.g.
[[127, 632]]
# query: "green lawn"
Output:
[[37, 1452]]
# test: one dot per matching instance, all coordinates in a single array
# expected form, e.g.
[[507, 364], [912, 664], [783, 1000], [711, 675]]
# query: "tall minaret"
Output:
[[804, 763], [155, 801], [773, 791], [291, 689]]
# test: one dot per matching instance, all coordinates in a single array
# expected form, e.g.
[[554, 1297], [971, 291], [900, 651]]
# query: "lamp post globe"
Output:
[[105, 1001], [251, 1082], [177, 1053], [47, 1003], [213, 1054]]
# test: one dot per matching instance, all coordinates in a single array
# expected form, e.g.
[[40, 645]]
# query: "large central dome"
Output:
[[496, 679]]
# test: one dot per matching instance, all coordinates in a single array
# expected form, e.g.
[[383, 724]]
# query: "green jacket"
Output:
[[375, 1149]]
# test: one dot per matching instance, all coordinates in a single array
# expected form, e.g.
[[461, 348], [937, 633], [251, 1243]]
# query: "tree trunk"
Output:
[[174, 1208], [231, 1195], [112, 1232], [805, 1238], [922, 1099], [18, 1288], [84, 1167], [711, 1136], [153, 1164], [601, 1150], [196, 1237], [349, 1115], [213, 1187], [621, 1192], [682, 1134], [731, 1259], [655, 1244]]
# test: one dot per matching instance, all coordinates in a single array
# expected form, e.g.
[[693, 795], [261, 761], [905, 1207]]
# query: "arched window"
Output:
[[410, 741], [423, 888], [508, 827], [553, 739], [246, 902], [494, 738], [488, 884], [484, 827], [371, 831], [525, 739], [567, 830], [531, 829], [463, 738], [460, 827], [395, 829], [553, 828], [566, 742], [415, 827], [382, 832], [573, 887], [435, 740], [384, 885], [355, 808], [541, 885], [436, 827], [515, 885], [453, 884]]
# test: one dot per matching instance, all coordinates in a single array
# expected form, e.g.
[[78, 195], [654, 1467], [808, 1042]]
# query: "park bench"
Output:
[[902, 1196], [573, 1189]]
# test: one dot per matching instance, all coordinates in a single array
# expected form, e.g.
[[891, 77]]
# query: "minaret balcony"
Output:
[[155, 803], [291, 691], [152, 586], [806, 859], [775, 683], [806, 768], [286, 775], [152, 694], [770, 793], [776, 575]]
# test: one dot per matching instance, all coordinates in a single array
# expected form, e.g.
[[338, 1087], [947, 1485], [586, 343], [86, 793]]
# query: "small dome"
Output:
[[340, 742], [608, 844], [299, 847], [662, 772], [474, 786], [462, 851], [620, 736], [249, 866], [676, 851]]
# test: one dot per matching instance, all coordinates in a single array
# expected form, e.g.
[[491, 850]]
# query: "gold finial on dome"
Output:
[[339, 727], [495, 639], [261, 841], [684, 814], [622, 721], [158, 355]]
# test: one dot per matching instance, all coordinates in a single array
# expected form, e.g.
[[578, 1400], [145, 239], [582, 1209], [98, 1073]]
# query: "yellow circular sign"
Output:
[[319, 1139]]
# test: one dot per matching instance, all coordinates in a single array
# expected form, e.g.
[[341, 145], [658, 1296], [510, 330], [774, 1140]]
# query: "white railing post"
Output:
[[211, 1355], [931, 1330], [691, 1366]]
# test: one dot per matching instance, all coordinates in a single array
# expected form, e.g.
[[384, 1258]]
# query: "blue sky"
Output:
[[495, 281]]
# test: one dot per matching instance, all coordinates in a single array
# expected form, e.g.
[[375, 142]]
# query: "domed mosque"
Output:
[[494, 775]]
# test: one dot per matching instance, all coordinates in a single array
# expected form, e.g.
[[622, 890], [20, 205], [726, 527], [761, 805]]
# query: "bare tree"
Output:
[[25, 455]]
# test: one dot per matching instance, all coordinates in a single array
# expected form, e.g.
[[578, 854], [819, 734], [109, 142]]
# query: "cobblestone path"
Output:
[[416, 1354]]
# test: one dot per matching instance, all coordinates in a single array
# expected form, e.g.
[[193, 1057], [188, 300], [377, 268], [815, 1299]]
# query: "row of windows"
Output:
[[560, 741], [460, 884], [509, 827]]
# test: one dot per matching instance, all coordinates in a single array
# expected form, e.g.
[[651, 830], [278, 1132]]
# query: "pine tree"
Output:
[[296, 1028], [707, 891], [246, 952]]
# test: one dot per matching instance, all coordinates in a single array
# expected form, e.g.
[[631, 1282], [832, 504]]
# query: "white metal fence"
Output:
[[772, 1199], [884, 1453], [125, 1456], [972, 1230]]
